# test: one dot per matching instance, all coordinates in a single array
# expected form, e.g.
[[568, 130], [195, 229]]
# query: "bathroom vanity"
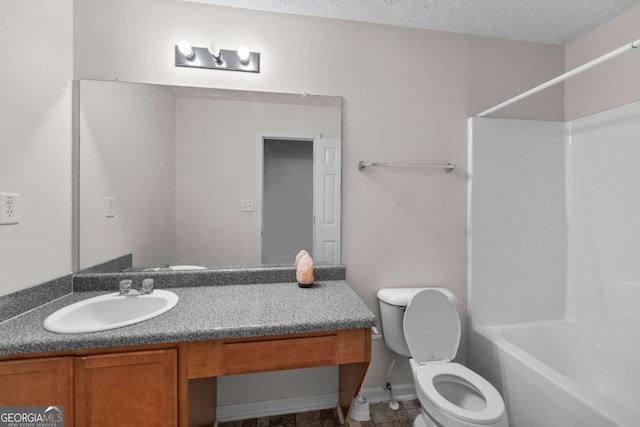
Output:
[[163, 371]]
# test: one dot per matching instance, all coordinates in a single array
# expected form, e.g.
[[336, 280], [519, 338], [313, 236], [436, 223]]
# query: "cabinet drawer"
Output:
[[272, 355]]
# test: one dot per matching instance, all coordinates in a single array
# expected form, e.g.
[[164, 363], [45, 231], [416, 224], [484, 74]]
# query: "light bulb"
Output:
[[244, 54], [214, 50], [185, 48]]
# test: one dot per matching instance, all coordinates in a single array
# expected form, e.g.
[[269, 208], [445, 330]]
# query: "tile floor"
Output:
[[381, 416]]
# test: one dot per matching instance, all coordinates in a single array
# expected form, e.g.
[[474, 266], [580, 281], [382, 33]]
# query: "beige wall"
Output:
[[216, 145], [35, 121], [127, 151], [407, 94], [611, 84]]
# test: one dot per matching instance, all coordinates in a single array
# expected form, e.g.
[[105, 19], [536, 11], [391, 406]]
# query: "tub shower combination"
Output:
[[554, 277], [555, 373]]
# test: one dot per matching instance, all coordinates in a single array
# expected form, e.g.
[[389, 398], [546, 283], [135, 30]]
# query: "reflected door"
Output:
[[327, 189], [287, 211]]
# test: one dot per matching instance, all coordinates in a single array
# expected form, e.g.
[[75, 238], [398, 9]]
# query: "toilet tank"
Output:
[[392, 303]]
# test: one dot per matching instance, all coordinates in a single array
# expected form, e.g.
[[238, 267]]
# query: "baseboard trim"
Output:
[[267, 408], [398, 392]]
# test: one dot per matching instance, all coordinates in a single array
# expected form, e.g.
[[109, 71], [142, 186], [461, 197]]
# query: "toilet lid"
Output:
[[431, 326], [492, 412]]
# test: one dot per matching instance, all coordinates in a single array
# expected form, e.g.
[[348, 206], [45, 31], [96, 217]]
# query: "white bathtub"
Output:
[[557, 374]]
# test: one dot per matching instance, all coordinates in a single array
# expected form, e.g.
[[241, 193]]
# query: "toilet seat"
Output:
[[427, 373], [432, 326]]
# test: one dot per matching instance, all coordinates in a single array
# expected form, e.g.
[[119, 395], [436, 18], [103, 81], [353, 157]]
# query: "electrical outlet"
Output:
[[246, 205], [9, 208], [109, 207]]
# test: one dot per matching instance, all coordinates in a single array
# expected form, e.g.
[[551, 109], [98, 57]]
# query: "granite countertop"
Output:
[[204, 313]]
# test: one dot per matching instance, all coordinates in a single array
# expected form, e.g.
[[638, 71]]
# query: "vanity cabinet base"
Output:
[[350, 349], [117, 389], [38, 382], [172, 384]]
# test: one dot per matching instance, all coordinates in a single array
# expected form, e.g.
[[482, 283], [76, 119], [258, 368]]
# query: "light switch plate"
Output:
[[246, 205], [109, 207]]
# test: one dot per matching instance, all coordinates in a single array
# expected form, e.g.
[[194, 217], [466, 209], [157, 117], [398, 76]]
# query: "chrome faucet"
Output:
[[125, 288]]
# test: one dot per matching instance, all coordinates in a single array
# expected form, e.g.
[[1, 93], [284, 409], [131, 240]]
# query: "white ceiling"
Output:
[[544, 21]]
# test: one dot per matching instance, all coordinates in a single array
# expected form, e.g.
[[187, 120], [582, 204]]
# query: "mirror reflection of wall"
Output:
[[166, 172]]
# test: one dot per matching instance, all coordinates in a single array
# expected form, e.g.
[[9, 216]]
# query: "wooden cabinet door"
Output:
[[127, 389], [38, 382]]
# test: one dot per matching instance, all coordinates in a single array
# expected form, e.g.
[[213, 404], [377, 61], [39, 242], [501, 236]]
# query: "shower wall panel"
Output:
[[604, 217], [517, 221]]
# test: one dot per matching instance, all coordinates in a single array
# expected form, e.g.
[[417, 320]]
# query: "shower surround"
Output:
[[554, 277]]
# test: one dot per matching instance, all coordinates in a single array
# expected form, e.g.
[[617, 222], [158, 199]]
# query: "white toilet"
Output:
[[423, 324]]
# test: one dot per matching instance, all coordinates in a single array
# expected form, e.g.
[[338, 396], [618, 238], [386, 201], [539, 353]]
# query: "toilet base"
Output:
[[423, 420]]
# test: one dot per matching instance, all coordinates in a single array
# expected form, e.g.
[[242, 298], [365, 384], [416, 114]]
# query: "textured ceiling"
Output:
[[545, 21]]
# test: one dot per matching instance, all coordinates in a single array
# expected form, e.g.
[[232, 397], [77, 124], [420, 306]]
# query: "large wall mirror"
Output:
[[180, 176]]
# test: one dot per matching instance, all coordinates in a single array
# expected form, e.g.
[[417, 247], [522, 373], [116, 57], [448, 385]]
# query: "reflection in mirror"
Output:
[[206, 177]]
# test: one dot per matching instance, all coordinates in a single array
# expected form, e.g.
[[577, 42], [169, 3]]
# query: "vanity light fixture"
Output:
[[185, 49], [243, 54], [214, 58], [216, 52]]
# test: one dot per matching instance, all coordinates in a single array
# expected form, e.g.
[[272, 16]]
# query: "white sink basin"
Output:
[[109, 312]]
